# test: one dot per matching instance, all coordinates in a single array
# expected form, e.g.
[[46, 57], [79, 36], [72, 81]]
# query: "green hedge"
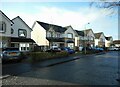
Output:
[[38, 56]]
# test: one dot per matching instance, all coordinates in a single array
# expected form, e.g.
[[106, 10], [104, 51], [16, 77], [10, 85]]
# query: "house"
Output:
[[116, 43], [5, 30], [89, 38], [21, 35], [70, 37], [48, 35], [80, 38], [108, 41], [99, 39]]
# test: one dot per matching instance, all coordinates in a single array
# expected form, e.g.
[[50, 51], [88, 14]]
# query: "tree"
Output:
[[106, 4]]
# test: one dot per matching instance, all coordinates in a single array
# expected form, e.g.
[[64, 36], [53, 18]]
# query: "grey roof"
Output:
[[56, 28], [108, 38], [116, 41], [6, 16], [81, 33], [97, 35], [87, 30]]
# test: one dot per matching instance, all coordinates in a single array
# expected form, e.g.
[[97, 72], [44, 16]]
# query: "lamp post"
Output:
[[85, 36]]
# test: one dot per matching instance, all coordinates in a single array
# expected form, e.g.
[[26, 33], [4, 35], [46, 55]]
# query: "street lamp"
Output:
[[85, 36]]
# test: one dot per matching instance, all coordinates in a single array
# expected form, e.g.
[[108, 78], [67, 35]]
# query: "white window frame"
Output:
[[69, 35], [2, 26]]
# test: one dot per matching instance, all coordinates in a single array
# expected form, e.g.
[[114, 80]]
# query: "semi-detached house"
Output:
[[21, 35], [48, 35], [80, 38], [89, 38], [100, 39], [15, 33], [5, 30]]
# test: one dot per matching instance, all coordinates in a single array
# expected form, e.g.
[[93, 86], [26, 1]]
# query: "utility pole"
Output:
[[85, 36]]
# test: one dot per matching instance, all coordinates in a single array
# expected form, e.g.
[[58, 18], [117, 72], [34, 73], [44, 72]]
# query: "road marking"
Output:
[[5, 76]]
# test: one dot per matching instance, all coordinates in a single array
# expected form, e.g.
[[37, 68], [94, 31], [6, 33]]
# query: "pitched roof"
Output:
[[22, 21], [108, 38], [81, 33], [6, 17], [56, 28], [97, 35], [87, 30], [116, 41]]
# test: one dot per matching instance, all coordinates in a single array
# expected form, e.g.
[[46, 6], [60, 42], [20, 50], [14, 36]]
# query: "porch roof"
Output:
[[16, 39]]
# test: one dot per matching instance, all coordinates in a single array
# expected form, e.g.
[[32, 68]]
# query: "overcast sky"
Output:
[[76, 14]]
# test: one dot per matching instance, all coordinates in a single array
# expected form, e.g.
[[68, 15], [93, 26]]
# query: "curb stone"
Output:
[[5, 76]]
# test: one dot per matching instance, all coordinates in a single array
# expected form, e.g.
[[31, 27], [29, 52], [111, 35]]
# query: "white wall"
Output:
[[39, 35], [107, 42], [96, 42], [19, 24]]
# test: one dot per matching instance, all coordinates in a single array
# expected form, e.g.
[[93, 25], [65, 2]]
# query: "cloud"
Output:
[[67, 17], [59, 16], [64, 17]]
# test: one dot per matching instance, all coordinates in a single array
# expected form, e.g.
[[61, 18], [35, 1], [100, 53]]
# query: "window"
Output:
[[91, 38], [22, 33], [12, 31], [24, 47], [101, 40], [58, 35], [2, 26], [70, 35]]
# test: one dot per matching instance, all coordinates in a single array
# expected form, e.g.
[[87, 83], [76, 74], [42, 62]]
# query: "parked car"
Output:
[[80, 48], [54, 49], [98, 49], [11, 54], [67, 49], [113, 48]]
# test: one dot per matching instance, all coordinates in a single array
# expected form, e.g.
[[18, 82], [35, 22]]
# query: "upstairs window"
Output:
[[22, 33], [12, 31], [2, 26], [101, 40], [58, 35], [70, 35]]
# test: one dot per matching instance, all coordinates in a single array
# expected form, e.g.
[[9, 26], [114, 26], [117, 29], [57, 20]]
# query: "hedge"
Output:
[[39, 56]]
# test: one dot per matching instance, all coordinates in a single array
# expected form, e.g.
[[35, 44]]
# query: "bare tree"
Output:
[[106, 4]]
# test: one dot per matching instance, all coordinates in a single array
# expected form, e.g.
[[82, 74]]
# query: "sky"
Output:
[[76, 14]]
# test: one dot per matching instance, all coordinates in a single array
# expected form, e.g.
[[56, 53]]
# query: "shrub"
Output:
[[39, 56]]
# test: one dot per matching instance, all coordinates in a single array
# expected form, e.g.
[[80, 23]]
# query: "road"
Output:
[[89, 70]]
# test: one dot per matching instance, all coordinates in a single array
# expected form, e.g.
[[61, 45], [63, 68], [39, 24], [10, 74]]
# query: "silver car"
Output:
[[10, 54]]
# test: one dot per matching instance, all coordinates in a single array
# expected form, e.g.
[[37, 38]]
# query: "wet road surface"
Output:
[[89, 70]]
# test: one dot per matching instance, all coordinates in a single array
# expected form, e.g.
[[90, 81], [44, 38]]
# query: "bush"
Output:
[[39, 56]]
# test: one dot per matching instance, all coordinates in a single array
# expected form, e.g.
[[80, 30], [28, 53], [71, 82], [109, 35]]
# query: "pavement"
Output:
[[20, 80], [52, 62]]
